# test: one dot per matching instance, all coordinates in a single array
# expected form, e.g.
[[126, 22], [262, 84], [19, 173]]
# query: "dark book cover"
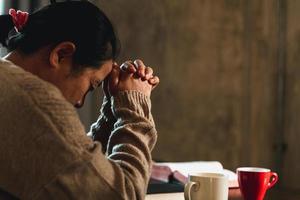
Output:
[[156, 186]]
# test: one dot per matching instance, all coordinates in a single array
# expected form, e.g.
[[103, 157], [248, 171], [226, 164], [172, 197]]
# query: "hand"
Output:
[[130, 77], [139, 69]]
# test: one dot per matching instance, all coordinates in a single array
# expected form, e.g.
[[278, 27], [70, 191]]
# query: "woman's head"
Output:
[[79, 22], [74, 29]]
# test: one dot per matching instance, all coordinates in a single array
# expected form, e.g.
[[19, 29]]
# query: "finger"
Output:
[[140, 68], [115, 64], [148, 73], [113, 80], [128, 67], [113, 77], [131, 69], [128, 72], [154, 81]]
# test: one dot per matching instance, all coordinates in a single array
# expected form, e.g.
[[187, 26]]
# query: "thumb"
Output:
[[114, 80]]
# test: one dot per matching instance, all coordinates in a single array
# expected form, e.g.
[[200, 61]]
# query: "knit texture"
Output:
[[44, 150]]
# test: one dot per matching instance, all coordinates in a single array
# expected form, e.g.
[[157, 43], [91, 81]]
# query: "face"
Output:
[[75, 86]]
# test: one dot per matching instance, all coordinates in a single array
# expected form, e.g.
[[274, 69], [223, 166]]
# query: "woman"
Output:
[[57, 55]]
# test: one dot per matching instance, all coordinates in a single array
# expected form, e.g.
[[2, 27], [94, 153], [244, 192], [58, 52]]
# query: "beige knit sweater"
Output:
[[44, 150]]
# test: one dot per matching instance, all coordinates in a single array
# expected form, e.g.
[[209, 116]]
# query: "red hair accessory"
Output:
[[19, 18]]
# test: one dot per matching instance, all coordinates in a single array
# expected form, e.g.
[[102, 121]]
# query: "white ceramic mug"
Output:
[[206, 186]]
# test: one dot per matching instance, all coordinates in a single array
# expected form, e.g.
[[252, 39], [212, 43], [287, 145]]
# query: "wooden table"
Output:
[[272, 194], [234, 194], [165, 196]]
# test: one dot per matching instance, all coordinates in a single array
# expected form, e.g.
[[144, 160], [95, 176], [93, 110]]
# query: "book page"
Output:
[[232, 178], [186, 168], [230, 174]]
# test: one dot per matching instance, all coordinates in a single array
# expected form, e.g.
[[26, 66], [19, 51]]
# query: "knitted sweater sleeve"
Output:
[[102, 128], [45, 153], [124, 173]]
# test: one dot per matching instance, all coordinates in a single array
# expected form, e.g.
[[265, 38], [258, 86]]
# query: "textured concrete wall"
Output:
[[220, 95], [211, 56], [291, 161]]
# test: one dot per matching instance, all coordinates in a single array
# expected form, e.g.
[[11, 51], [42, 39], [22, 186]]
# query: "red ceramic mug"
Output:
[[254, 182]]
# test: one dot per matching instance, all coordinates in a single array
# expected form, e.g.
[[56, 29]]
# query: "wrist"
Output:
[[134, 101]]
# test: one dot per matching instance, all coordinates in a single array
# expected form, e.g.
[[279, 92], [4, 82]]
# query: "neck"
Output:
[[26, 62], [35, 63]]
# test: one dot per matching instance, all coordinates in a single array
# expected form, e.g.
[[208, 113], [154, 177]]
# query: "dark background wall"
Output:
[[291, 136]]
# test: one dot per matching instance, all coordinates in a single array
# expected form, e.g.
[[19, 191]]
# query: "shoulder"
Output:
[[43, 97], [43, 94], [39, 130]]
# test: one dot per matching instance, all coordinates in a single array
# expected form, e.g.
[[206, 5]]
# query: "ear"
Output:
[[61, 52]]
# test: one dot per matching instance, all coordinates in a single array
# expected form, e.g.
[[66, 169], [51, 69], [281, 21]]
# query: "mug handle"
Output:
[[188, 187], [273, 179]]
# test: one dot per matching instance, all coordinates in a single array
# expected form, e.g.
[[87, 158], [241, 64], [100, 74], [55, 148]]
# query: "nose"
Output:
[[79, 104]]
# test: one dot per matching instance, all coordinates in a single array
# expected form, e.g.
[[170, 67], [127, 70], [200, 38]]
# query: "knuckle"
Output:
[[129, 63], [149, 69], [142, 67], [139, 62]]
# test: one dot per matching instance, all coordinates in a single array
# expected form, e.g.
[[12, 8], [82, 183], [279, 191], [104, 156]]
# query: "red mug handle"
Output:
[[273, 179]]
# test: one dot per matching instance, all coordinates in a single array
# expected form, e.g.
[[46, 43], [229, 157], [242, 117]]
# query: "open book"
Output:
[[179, 171]]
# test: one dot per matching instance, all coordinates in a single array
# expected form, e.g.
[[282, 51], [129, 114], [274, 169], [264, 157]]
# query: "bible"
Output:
[[178, 171]]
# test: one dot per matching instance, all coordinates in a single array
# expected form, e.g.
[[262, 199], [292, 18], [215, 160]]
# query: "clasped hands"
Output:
[[130, 76]]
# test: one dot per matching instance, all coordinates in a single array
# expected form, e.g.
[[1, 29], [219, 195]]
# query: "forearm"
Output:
[[122, 174], [102, 128], [133, 138]]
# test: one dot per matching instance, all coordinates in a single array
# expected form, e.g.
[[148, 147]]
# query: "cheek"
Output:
[[80, 94], [83, 89], [79, 87]]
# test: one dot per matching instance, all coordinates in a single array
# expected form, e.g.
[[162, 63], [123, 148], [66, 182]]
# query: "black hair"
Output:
[[79, 22]]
